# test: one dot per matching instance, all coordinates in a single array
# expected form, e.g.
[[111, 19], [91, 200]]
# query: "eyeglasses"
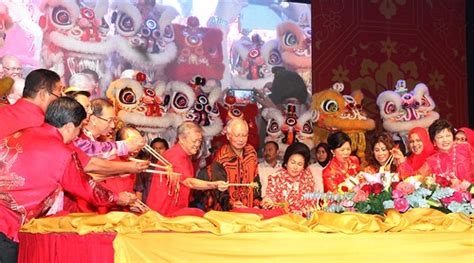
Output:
[[12, 69], [57, 97], [107, 120]]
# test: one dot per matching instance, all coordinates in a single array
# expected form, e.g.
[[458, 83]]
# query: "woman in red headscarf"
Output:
[[463, 135], [421, 148]]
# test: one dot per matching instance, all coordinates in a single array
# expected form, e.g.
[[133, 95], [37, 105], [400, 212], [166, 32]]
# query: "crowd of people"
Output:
[[61, 152]]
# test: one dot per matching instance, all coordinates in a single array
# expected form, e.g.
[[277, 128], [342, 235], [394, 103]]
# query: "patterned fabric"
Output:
[[35, 167], [104, 150], [336, 173], [283, 188], [227, 166], [455, 164], [21, 115]]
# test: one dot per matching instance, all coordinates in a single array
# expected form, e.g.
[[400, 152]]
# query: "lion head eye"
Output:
[[289, 39], [273, 126], [61, 16], [330, 106], [127, 96], [389, 108]]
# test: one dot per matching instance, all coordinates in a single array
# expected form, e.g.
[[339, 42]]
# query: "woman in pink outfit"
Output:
[[451, 160]]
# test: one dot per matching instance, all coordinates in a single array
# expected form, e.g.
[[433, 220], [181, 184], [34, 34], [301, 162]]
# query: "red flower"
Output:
[[377, 188], [367, 188], [394, 184], [442, 181], [345, 189]]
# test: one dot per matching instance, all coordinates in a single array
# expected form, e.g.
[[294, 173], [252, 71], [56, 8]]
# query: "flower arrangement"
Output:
[[384, 191]]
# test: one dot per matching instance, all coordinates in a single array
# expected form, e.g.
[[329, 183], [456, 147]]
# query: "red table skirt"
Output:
[[66, 247]]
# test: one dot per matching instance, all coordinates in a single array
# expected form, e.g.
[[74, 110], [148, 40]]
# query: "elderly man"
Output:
[[235, 162], [175, 203], [42, 87], [12, 67], [38, 165]]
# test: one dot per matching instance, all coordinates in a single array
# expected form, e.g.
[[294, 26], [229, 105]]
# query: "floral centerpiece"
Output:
[[374, 193]]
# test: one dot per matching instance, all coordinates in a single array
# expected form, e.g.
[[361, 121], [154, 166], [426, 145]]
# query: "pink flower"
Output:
[[401, 204], [460, 186], [405, 188], [456, 197], [347, 203], [466, 196], [360, 196], [397, 194]]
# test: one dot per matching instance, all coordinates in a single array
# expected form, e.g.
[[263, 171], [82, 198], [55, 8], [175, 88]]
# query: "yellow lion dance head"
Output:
[[339, 112]]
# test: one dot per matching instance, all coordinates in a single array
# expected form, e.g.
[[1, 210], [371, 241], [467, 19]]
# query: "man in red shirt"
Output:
[[167, 202], [42, 86], [36, 166]]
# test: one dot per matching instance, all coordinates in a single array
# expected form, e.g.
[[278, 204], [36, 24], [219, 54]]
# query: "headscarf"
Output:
[[417, 160], [325, 146], [469, 135]]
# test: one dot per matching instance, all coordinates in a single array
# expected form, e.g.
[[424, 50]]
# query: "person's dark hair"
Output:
[[387, 140], [439, 125], [98, 105], [337, 139], [272, 142], [287, 84], [328, 152], [161, 140], [65, 110], [38, 80], [297, 148]]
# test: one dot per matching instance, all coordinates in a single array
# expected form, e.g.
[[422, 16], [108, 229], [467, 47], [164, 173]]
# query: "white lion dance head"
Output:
[[141, 106], [286, 128], [252, 61], [74, 37], [189, 102], [402, 110], [144, 37]]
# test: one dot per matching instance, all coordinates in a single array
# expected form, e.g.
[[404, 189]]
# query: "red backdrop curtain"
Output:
[[369, 45]]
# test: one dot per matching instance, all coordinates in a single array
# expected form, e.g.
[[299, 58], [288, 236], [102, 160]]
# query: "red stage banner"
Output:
[[369, 45]]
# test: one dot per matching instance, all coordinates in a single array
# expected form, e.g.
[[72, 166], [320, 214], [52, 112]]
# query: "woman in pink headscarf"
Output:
[[421, 148]]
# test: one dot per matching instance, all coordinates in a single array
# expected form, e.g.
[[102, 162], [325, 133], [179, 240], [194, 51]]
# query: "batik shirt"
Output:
[[285, 189]]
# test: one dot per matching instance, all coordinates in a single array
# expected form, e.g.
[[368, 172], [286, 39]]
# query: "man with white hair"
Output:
[[174, 201], [12, 67], [234, 162]]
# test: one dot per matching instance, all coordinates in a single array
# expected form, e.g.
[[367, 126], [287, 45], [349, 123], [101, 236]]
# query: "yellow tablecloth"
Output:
[[418, 235]]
